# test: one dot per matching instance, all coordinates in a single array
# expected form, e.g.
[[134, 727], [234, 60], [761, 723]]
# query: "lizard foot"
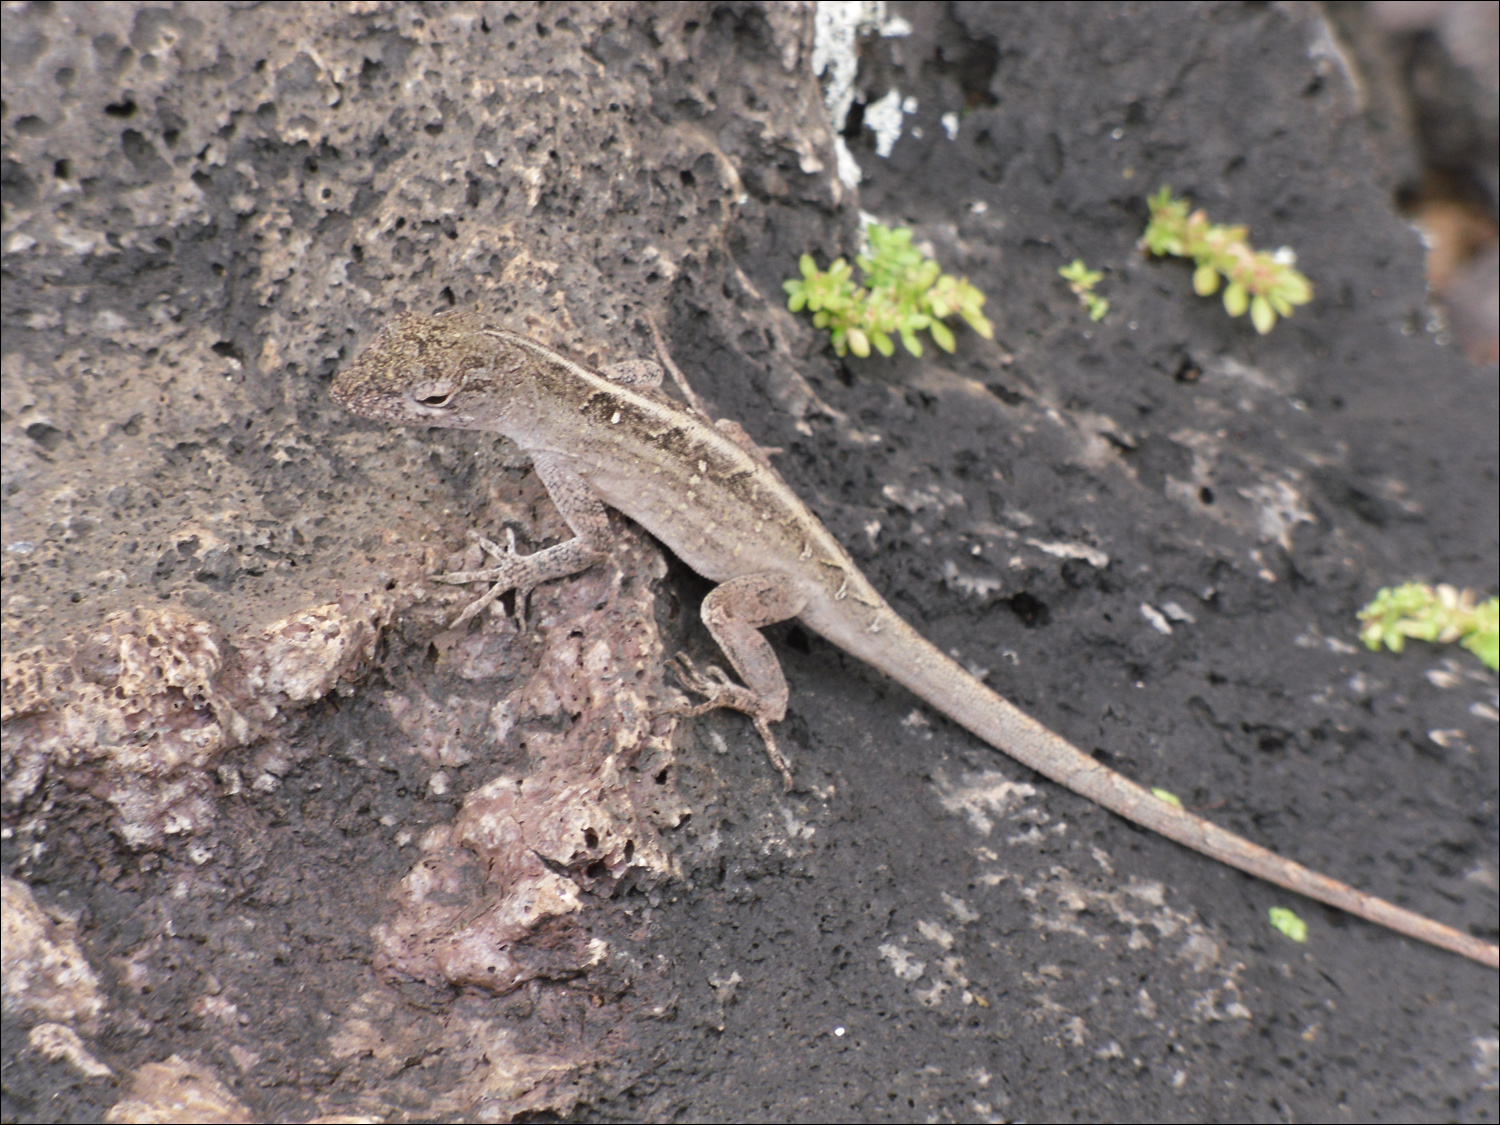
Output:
[[721, 691], [507, 574]]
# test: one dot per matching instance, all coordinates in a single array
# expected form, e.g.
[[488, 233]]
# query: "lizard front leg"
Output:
[[522, 573], [735, 612]]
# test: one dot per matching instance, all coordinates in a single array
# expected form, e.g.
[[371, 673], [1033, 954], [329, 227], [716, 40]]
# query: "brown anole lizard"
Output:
[[613, 438]]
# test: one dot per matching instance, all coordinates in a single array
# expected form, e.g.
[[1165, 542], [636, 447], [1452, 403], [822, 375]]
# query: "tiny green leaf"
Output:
[[1289, 924], [980, 323], [1205, 281], [1236, 299], [1485, 644], [1168, 796], [1080, 275], [1296, 288], [1262, 315]]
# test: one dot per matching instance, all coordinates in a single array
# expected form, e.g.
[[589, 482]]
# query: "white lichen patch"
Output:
[[906, 967], [46, 975], [303, 657], [379, 1034], [981, 797], [489, 903], [179, 1091], [60, 1043], [140, 709]]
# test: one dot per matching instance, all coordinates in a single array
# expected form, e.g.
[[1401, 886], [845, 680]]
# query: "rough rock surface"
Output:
[[312, 853]]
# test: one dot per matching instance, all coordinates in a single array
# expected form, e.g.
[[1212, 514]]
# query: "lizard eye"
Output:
[[435, 395]]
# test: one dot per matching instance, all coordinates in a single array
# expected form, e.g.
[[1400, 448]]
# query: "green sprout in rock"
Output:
[[1439, 614], [1082, 280], [1289, 924], [903, 293], [1266, 284]]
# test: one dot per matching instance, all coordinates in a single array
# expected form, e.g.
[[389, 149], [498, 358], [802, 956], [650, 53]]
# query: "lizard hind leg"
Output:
[[734, 613], [722, 692]]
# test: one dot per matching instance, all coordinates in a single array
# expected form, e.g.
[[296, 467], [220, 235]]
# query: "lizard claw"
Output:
[[720, 691], [713, 682], [503, 575]]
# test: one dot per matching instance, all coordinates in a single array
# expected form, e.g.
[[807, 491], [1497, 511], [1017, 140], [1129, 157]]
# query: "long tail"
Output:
[[958, 695]]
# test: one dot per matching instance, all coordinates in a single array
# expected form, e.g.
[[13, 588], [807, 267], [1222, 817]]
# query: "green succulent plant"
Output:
[[1439, 614], [1082, 280], [903, 293], [1267, 284]]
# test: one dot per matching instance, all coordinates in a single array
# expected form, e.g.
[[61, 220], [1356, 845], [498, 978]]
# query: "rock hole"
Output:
[[1030, 611], [48, 437]]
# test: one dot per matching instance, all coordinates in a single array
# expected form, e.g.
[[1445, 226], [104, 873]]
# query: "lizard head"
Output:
[[444, 370]]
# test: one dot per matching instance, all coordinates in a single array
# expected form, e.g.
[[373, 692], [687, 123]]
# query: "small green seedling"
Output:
[[903, 294], [1168, 796], [1289, 924], [1439, 614], [1082, 280], [1266, 284]]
